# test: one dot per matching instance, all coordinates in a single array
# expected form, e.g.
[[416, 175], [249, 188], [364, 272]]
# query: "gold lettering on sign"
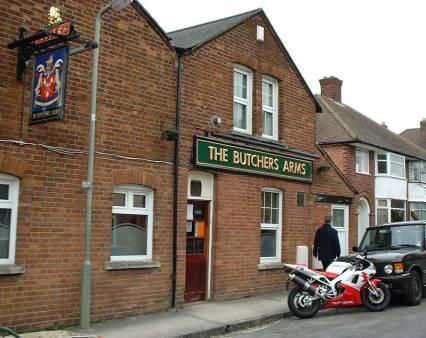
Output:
[[218, 154], [254, 160], [285, 166], [294, 167]]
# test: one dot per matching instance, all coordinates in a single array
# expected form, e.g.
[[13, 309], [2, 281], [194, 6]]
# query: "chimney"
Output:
[[423, 133], [332, 88], [384, 125]]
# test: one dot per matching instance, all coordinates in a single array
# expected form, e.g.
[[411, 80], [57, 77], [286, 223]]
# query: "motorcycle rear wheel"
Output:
[[376, 303], [299, 306]]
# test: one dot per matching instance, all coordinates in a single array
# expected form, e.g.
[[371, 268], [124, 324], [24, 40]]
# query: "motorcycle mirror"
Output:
[[365, 253]]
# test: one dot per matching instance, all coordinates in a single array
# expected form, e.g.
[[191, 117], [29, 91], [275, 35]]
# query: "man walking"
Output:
[[326, 244]]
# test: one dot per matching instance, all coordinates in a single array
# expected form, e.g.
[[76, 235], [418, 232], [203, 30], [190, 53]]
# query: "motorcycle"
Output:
[[342, 284]]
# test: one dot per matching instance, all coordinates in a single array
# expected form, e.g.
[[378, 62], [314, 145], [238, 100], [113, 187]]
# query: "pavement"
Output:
[[198, 320]]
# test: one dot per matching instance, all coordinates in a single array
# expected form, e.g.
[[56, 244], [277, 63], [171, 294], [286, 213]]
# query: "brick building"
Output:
[[250, 185], [384, 168], [416, 135]]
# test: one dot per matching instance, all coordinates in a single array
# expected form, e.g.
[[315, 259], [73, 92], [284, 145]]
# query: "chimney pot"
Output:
[[331, 87], [423, 133]]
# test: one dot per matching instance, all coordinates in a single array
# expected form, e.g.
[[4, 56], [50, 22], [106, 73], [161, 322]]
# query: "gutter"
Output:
[[180, 53]]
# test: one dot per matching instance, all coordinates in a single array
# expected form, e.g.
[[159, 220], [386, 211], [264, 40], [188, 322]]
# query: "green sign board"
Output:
[[225, 156]]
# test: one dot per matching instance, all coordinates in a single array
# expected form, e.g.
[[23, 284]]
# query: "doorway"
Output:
[[340, 222], [196, 251], [363, 217]]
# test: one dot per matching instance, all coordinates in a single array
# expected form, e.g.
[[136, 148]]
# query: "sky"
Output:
[[376, 47]]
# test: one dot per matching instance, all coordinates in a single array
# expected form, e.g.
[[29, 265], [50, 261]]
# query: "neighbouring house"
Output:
[[383, 167], [207, 174], [416, 135], [417, 170]]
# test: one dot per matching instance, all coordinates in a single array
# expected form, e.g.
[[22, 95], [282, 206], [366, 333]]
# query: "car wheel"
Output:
[[415, 289]]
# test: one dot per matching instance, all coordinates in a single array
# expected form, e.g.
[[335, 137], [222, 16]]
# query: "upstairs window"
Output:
[[391, 164], [362, 162], [417, 171], [243, 82], [9, 194], [270, 108], [132, 220]]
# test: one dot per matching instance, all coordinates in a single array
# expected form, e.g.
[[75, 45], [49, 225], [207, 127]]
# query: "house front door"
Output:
[[340, 222]]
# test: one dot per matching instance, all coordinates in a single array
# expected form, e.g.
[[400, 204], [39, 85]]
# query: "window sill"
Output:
[[362, 173], [270, 138], [270, 266], [392, 176], [12, 269], [128, 265]]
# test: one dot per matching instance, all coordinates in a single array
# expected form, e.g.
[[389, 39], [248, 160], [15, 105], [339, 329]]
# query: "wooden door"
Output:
[[196, 251]]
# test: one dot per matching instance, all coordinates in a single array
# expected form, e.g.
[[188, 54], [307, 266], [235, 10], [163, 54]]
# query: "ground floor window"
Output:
[[418, 209], [132, 219], [9, 194], [390, 210], [270, 227]]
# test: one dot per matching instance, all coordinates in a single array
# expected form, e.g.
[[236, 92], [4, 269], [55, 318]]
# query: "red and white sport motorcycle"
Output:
[[342, 284]]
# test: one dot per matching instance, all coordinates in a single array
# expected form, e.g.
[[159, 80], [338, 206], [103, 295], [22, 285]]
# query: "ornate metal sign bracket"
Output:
[[57, 33]]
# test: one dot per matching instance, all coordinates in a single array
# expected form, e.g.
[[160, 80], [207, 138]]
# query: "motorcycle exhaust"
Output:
[[306, 286]]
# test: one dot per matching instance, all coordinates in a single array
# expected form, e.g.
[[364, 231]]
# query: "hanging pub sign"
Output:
[[48, 86], [210, 153]]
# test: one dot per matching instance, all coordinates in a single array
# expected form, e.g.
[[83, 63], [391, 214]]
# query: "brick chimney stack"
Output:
[[423, 133], [332, 88]]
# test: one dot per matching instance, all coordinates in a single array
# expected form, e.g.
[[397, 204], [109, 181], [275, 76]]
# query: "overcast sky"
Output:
[[377, 47]]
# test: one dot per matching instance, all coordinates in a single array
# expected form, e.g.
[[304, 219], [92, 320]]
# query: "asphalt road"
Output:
[[395, 322]]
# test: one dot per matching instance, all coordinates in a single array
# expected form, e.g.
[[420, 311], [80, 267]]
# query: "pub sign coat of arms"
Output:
[[48, 90]]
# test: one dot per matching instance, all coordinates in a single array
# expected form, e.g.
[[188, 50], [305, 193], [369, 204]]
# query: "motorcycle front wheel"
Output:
[[301, 304], [376, 302]]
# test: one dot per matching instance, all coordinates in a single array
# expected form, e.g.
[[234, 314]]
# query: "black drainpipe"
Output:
[[176, 173]]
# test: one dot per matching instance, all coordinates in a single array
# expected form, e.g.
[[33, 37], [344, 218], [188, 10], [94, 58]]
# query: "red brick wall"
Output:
[[136, 99], [344, 157], [208, 91], [208, 87], [237, 232], [329, 182]]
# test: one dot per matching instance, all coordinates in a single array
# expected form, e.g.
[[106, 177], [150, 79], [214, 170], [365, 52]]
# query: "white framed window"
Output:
[[271, 224], [391, 164], [270, 108], [243, 87], [417, 171], [419, 209], [9, 195], [132, 223], [362, 161], [389, 211]]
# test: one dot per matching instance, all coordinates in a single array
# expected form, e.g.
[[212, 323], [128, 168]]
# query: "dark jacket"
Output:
[[326, 244]]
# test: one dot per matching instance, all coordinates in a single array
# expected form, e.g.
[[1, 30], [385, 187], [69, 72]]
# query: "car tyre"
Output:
[[415, 290]]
